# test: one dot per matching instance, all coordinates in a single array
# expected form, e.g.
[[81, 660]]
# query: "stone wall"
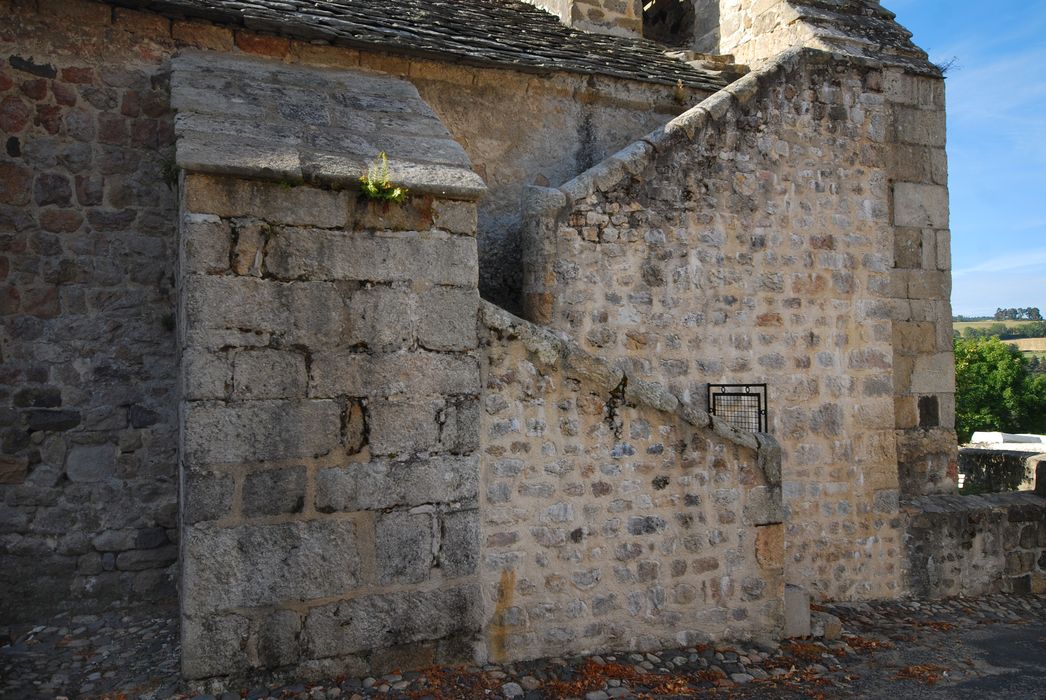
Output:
[[613, 517], [975, 545], [751, 240], [524, 130], [87, 221], [329, 424], [755, 31], [920, 283], [614, 17], [88, 505]]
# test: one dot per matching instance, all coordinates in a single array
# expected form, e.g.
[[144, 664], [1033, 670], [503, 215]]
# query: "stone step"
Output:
[[722, 65]]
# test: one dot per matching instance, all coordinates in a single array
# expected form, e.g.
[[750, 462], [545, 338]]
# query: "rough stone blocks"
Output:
[[255, 565]]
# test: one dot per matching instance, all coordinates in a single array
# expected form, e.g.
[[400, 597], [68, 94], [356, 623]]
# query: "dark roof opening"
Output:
[[669, 22]]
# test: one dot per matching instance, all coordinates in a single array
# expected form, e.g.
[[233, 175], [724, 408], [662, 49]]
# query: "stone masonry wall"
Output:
[[912, 155], [614, 17], [329, 425], [976, 545], [920, 283], [755, 31], [612, 516], [751, 241], [88, 496]]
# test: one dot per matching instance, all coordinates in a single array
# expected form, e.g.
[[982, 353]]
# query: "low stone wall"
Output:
[[613, 516], [992, 470], [974, 545]]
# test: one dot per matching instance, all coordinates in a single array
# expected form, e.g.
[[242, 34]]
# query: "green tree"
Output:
[[994, 389]]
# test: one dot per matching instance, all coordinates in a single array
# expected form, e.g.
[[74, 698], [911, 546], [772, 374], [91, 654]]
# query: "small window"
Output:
[[670, 22]]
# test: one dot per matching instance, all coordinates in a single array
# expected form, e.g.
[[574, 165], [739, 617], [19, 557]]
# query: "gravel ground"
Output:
[[992, 647]]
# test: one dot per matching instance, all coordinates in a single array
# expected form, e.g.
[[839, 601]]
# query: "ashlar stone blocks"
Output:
[[329, 429]]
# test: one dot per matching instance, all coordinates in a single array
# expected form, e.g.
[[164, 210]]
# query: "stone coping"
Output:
[[257, 118], [686, 128], [577, 363], [949, 503]]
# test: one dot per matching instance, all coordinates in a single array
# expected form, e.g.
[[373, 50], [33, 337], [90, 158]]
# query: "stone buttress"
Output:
[[329, 374]]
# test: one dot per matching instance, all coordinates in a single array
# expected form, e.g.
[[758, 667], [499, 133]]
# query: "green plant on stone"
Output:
[[377, 186]]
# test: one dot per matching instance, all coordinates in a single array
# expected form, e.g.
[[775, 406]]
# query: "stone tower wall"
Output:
[[613, 17]]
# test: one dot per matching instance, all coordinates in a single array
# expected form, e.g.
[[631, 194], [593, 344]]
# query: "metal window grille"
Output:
[[741, 405]]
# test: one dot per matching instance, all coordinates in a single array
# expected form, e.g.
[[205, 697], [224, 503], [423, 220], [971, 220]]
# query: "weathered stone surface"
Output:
[[420, 373], [315, 133], [279, 639], [583, 476], [205, 374], [985, 536], [825, 625], [140, 559], [218, 309], [207, 496], [764, 506], [447, 319], [459, 544], [381, 485], [13, 470], [769, 546], [378, 621], [87, 463], [274, 491], [920, 205], [271, 202], [213, 644], [252, 565], [257, 431], [797, 612], [327, 255], [268, 374], [404, 427], [405, 545]]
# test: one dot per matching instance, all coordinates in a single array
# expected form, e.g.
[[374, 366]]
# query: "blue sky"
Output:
[[996, 144]]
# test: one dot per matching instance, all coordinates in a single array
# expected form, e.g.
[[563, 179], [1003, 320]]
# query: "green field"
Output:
[[960, 325], [1031, 347]]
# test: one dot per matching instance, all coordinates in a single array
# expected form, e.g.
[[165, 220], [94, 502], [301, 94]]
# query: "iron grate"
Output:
[[741, 405]]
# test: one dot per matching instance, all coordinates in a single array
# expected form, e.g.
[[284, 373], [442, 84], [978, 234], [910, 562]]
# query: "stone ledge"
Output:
[[946, 503], [255, 118], [687, 127], [579, 364]]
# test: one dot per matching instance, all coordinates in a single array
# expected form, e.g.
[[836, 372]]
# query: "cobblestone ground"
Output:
[[986, 647]]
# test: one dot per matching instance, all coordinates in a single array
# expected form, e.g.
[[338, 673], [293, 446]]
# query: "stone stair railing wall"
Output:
[[750, 240], [976, 545], [612, 515]]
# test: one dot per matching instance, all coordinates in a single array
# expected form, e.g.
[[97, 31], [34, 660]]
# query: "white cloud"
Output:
[[1027, 260]]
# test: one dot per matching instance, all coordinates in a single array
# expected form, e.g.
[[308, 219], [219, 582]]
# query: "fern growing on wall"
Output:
[[376, 184]]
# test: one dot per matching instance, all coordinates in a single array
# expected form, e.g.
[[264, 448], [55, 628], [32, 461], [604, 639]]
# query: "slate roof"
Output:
[[252, 117], [864, 27], [507, 33]]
